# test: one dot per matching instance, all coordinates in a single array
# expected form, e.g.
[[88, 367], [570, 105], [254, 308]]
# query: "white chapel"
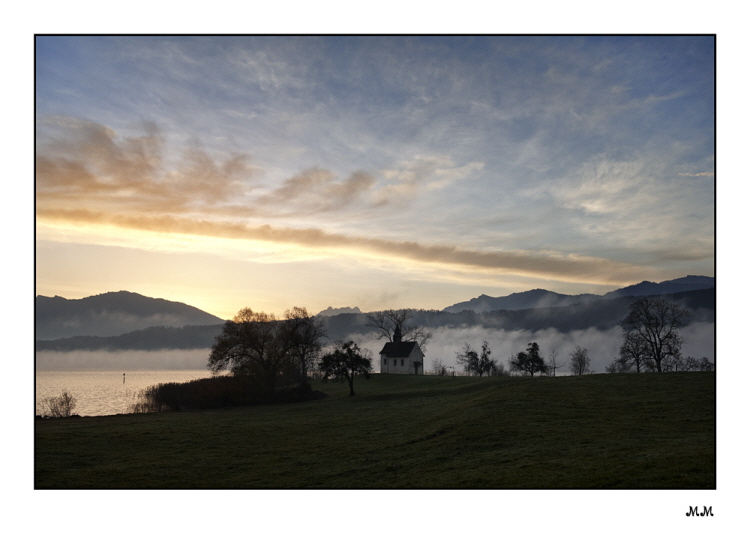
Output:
[[401, 357]]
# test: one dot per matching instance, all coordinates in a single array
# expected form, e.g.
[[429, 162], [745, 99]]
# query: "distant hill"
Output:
[[540, 298], [537, 298], [148, 339], [112, 314], [330, 312], [680, 285], [598, 314], [129, 321]]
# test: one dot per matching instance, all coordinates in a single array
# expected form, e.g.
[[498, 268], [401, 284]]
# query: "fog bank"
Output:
[[602, 345], [122, 360]]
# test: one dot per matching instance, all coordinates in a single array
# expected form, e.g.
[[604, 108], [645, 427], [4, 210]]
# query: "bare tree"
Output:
[[579, 361], [553, 365], [467, 359], [655, 323], [388, 323], [634, 352]]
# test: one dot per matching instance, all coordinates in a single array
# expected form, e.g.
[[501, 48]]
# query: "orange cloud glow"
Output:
[[566, 268]]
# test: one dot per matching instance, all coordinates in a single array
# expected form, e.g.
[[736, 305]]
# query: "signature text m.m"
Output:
[[693, 511]]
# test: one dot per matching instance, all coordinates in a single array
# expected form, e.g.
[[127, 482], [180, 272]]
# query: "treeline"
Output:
[[651, 343], [269, 360]]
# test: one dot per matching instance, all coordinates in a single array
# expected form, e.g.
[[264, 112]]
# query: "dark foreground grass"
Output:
[[646, 431]]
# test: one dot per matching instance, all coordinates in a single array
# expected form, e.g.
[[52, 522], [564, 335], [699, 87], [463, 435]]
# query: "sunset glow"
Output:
[[379, 172]]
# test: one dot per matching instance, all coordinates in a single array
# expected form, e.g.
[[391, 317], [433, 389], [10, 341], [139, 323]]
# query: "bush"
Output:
[[216, 392], [61, 406]]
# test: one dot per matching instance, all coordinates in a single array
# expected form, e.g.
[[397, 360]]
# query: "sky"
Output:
[[379, 172]]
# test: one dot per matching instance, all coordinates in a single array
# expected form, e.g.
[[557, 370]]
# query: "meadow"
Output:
[[615, 431]]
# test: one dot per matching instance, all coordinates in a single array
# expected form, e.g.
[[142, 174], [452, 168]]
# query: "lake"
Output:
[[102, 393]]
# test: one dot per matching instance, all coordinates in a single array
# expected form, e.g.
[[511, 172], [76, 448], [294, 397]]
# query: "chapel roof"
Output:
[[401, 349]]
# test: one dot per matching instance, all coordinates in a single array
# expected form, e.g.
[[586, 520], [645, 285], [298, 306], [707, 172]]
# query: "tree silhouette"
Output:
[[388, 322], [653, 324], [530, 361], [477, 364], [306, 333], [265, 348], [346, 361], [580, 361]]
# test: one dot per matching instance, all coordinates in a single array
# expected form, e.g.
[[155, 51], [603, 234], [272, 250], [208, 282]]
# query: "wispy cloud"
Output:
[[566, 158], [86, 162]]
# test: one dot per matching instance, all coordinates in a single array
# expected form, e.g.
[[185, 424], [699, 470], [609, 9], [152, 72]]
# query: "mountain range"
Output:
[[112, 314], [330, 312], [541, 298], [596, 314], [124, 320]]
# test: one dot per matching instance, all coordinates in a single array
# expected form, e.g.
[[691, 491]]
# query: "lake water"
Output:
[[102, 393]]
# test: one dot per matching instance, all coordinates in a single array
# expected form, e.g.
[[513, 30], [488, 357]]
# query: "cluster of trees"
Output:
[[532, 361], [271, 352], [529, 362], [652, 341], [670, 363], [481, 364]]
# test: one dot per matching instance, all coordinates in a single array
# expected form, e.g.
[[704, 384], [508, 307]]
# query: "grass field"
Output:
[[629, 431]]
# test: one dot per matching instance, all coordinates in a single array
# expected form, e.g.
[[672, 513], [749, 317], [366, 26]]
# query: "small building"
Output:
[[401, 357]]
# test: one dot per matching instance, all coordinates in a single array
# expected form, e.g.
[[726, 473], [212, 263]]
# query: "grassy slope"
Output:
[[596, 431]]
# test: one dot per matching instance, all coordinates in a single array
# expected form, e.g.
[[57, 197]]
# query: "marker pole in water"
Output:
[[123, 378]]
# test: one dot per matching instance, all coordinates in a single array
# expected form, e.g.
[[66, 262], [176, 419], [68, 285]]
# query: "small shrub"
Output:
[[61, 406]]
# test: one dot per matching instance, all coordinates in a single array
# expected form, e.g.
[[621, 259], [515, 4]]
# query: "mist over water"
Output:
[[122, 360]]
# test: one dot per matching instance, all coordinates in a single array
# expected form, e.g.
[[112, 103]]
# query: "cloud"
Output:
[[420, 174], [466, 156], [316, 190], [570, 268], [639, 202], [82, 163]]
